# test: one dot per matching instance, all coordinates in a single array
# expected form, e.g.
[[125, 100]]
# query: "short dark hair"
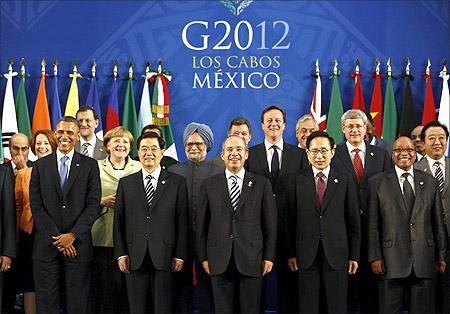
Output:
[[70, 120], [316, 134], [151, 135], [151, 127], [240, 121], [431, 124], [370, 119], [273, 107], [87, 108]]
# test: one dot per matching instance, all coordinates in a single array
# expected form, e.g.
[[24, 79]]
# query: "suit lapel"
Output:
[[345, 158], [223, 186], [332, 185], [263, 156], [54, 173], [309, 186], [395, 188], [418, 192], [286, 157], [98, 148], [73, 172], [369, 160], [247, 187], [447, 175], [160, 188]]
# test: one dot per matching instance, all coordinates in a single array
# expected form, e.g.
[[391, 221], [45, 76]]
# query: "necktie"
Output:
[[439, 175], [149, 191], [84, 149], [408, 193], [63, 171], [234, 193], [320, 187], [275, 164], [357, 165]]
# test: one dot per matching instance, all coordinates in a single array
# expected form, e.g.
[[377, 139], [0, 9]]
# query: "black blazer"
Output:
[[337, 223], [249, 233], [160, 229], [405, 243], [7, 213], [72, 210]]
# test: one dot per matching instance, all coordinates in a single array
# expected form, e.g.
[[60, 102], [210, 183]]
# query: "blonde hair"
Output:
[[119, 131]]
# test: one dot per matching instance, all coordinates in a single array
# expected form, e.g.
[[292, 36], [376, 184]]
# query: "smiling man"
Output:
[[65, 200], [89, 144]]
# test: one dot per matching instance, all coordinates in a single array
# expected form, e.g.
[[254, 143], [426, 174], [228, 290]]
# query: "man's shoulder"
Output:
[[257, 147], [376, 150]]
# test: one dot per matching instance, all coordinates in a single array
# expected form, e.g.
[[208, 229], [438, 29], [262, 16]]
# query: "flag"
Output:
[[408, 119], [112, 114], [316, 103], [55, 105], [73, 102], [129, 119], [358, 97], [429, 109], [145, 110], [9, 118], [23, 117], [92, 101], [376, 104], [390, 110], [335, 112], [444, 112], [41, 118], [160, 108]]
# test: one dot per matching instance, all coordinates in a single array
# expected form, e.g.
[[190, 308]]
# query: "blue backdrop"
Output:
[[236, 57]]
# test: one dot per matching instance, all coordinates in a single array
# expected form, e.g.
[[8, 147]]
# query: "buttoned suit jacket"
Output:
[[56, 211], [405, 242], [7, 213], [161, 229], [99, 150], [336, 223], [249, 233]]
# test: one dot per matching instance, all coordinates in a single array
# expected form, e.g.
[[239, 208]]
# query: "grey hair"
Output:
[[304, 118], [354, 114]]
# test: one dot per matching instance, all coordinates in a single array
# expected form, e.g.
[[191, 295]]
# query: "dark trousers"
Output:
[[443, 292], [334, 283], [75, 277], [417, 291], [148, 284], [231, 285]]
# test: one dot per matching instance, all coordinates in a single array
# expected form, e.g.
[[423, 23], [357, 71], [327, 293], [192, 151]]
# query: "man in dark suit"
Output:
[[19, 147], [65, 200], [324, 232], [89, 144], [288, 159], [372, 139], [7, 224], [150, 228], [406, 233], [361, 161], [166, 161], [418, 143], [435, 138], [236, 231]]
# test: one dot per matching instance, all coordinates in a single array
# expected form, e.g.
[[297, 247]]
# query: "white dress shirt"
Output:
[[362, 153], [269, 152], [401, 179]]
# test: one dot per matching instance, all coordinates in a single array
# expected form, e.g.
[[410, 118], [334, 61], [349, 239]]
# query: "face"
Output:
[[242, 131], [418, 143], [119, 147], [320, 153], [369, 133], [87, 124], [273, 125], [354, 130], [403, 153], [234, 153], [42, 146], [435, 142], [195, 148], [305, 128], [67, 134], [150, 154], [19, 147]]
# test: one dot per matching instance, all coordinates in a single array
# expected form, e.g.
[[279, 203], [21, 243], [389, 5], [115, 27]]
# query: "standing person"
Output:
[[435, 138], [198, 140], [89, 144], [275, 160], [65, 200], [406, 233], [372, 139], [150, 228], [109, 295], [43, 143], [236, 231], [166, 161], [324, 232], [304, 127], [418, 143], [361, 161]]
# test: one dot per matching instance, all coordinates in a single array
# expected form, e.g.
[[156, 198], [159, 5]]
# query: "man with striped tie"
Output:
[[435, 137], [236, 231], [150, 229]]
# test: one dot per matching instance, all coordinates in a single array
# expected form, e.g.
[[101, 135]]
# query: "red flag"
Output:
[[358, 97], [41, 117], [429, 109], [376, 105]]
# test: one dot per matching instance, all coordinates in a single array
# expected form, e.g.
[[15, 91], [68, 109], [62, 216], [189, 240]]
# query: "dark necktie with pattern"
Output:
[[439, 175], [234, 193], [357, 165], [321, 186], [149, 191], [84, 149], [408, 193], [275, 164]]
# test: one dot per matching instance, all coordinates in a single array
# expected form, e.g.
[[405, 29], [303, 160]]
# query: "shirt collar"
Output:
[[399, 171], [431, 161], [155, 173], [350, 147], [278, 144], [240, 174], [92, 141], [60, 155], [325, 171]]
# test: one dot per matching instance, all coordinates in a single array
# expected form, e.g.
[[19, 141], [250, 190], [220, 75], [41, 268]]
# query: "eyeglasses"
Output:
[[354, 126], [323, 151], [192, 144], [154, 149], [400, 150]]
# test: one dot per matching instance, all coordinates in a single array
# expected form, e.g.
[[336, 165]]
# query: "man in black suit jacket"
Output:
[[150, 228], [290, 159], [65, 200], [89, 144], [324, 232], [166, 161], [236, 231], [406, 235], [19, 147]]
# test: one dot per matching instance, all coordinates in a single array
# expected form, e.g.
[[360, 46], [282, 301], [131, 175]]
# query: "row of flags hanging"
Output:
[[385, 116], [153, 110]]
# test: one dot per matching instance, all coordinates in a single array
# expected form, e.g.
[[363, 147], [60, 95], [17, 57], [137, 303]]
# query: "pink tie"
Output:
[[357, 165], [320, 188]]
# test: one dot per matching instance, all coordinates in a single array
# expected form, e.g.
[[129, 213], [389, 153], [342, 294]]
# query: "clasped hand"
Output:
[[64, 244]]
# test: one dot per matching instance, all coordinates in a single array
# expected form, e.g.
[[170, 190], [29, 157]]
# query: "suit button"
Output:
[[146, 234], [148, 217], [321, 217], [63, 207], [231, 236]]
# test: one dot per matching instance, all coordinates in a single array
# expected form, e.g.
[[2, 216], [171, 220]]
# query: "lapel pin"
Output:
[[371, 154], [163, 182], [250, 184], [77, 165], [336, 180], [421, 182]]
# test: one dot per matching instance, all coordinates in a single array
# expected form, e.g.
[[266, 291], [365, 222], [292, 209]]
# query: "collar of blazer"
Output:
[[160, 188], [247, 186], [130, 167], [333, 182], [369, 158], [75, 166], [425, 167]]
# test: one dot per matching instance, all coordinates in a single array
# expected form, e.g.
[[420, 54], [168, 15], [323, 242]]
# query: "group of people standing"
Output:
[[362, 226]]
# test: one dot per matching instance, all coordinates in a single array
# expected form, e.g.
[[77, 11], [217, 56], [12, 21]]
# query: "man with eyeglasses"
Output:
[[19, 146], [150, 229], [198, 140], [166, 161], [323, 228], [89, 144], [407, 240], [361, 161]]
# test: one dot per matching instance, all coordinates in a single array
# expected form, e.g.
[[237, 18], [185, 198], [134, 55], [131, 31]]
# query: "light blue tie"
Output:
[[63, 171]]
